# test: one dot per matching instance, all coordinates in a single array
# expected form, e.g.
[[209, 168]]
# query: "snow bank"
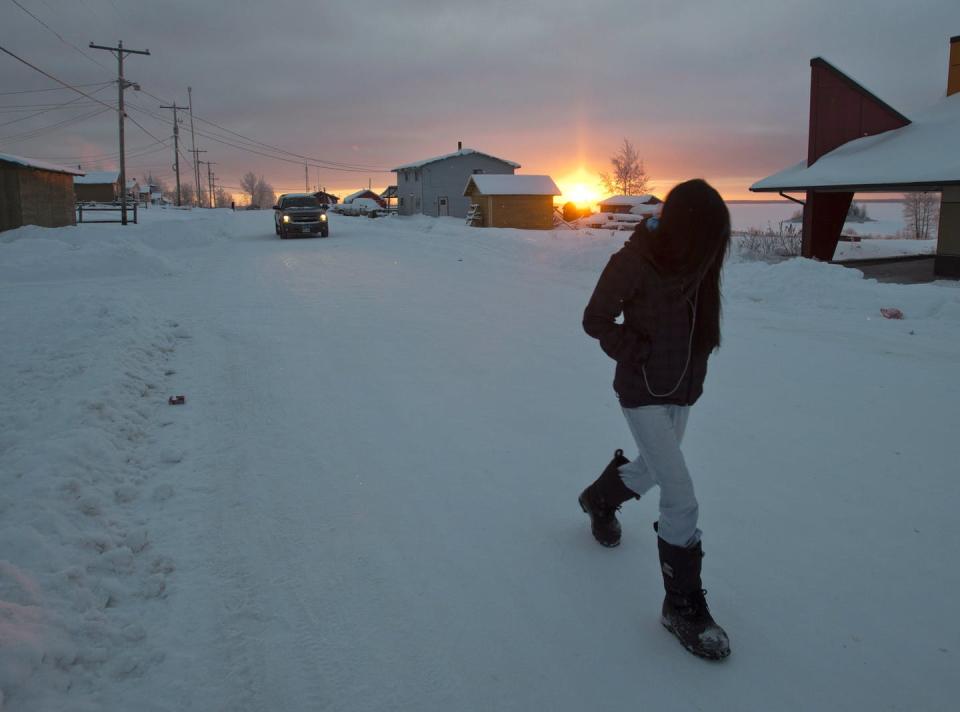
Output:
[[84, 386], [89, 251], [83, 389]]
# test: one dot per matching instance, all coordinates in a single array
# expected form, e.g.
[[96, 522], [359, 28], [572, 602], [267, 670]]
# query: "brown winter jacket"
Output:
[[655, 333]]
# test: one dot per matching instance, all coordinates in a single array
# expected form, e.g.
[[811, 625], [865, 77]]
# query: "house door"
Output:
[[443, 207]]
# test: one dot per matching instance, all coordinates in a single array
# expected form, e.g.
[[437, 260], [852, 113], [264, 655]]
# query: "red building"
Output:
[[365, 194], [845, 155]]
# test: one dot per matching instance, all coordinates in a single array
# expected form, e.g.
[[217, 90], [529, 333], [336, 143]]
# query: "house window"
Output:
[[401, 201]]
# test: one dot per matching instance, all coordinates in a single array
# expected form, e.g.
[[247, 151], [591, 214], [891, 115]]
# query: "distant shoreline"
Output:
[[790, 202]]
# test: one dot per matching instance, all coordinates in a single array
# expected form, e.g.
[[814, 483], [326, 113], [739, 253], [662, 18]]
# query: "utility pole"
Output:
[[176, 144], [193, 149], [119, 52], [213, 203], [306, 176], [196, 165], [198, 170]]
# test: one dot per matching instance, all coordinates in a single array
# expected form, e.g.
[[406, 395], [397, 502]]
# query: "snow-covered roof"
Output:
[[509, 184], [42, 165], [631, 200], [353, 196], [132, 182], [455, 154], [920, 154], [98, 178]]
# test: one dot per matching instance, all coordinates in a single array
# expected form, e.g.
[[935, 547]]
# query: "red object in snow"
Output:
[[891, 313], [177, 400]]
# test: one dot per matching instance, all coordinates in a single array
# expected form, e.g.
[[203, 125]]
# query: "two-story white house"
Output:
[[435, 186]]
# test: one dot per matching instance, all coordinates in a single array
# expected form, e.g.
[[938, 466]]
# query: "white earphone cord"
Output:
[[693, 326]]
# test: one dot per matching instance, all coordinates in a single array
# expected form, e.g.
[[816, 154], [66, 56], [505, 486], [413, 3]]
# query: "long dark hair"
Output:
[[691, 242]]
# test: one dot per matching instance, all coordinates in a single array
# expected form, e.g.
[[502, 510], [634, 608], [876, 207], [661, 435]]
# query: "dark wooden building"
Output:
[[35, 193], [326, 198], [97, 187]]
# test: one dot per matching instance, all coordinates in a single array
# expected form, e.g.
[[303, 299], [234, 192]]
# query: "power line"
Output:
[[58, 81], [43, 107], [232, 144], [53, 108], [311, 159], [33, 133], [37, 91], [105, 156], [59, 36], [317, 162]]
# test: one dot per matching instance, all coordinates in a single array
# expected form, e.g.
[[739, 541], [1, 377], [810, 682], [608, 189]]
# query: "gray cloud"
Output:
[[704, 87]]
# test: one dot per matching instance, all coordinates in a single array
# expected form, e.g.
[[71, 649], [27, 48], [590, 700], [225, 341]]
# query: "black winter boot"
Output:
[[603, 498], [685, 610]]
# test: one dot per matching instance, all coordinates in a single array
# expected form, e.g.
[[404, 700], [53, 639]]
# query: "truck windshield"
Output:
[[301, 201]]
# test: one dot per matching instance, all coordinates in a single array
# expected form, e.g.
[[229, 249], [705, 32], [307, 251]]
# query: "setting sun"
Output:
[[582, 188]]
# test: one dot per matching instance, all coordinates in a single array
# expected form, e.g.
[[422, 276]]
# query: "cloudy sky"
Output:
[[702, 88]]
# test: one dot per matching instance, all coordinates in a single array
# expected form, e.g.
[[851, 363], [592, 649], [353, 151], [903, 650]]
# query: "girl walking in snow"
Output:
[[665, 282]]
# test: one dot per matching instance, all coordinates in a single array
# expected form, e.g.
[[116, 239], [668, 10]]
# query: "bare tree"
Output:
[[261, 193], [249, 184], [187, 194], [266, 196], [920, 214], [222, 198], [629, 176]]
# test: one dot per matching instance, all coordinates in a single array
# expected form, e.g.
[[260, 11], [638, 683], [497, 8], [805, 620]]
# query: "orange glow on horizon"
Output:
[[581, 188]]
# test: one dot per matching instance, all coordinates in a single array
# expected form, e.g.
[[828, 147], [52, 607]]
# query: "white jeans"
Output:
[[658, 431]]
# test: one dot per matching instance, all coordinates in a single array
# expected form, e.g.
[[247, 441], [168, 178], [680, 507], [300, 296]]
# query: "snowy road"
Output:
[[374, 534], [368, 501]]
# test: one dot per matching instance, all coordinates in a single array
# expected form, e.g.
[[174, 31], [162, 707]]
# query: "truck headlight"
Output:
[[323, 217], [286, 218]]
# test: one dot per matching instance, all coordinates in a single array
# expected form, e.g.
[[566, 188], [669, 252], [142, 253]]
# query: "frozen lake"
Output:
[[887, 218]]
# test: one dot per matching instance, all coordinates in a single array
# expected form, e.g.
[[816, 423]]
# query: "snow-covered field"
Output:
[[368, 501]]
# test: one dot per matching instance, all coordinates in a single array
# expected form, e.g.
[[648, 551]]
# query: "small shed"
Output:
[[632, 204], [35, 193], [508, 200], [390, 196], [97, 187]]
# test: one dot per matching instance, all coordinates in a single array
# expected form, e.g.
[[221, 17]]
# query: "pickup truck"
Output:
[[300, 214]]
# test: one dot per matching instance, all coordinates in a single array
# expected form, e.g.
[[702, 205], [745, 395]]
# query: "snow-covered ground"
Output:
[[368, 501]]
